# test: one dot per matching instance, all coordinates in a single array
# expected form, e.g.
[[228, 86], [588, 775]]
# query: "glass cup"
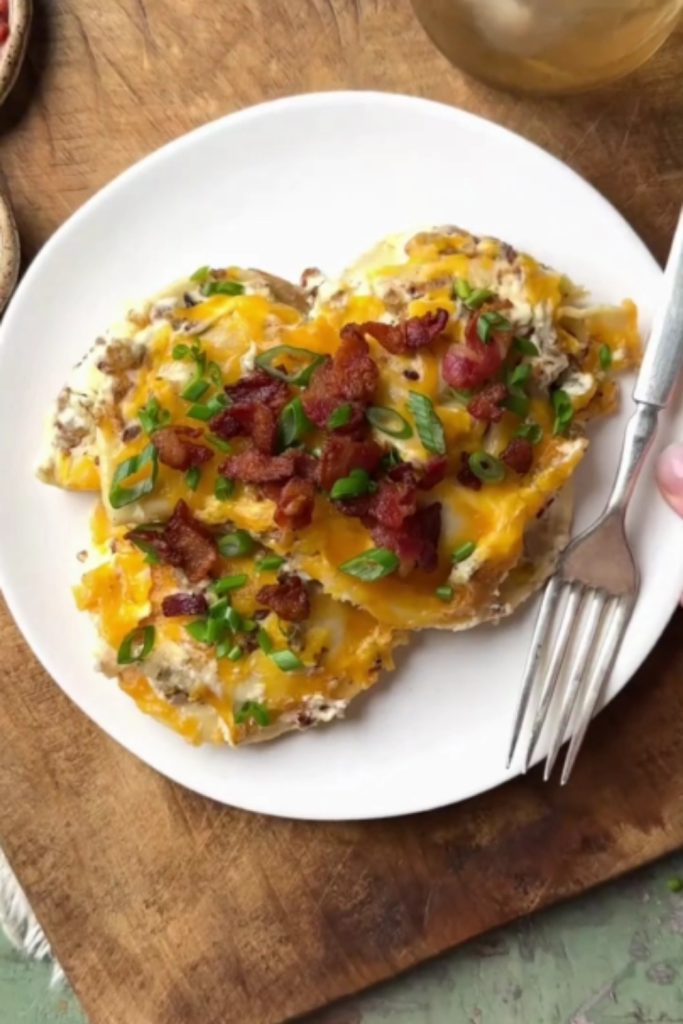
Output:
[[549, 46]]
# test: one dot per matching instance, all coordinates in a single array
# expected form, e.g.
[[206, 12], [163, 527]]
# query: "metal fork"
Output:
[[587, 604]]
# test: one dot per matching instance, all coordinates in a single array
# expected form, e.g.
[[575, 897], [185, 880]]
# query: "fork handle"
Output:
[[664, 351], [638, 436]]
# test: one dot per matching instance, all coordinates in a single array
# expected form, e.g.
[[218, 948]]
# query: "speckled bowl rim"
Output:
[[9, 251], [13, 51]]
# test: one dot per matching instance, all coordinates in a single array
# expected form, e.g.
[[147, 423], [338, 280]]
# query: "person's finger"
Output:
[[670, 476]]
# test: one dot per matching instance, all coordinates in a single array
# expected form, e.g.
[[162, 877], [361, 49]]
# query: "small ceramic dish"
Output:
[[9, 251], [13, 49]]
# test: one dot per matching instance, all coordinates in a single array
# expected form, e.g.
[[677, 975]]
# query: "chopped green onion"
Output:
[[136, 645], [605, 356], [270, 562], [389, 421], [530, 432], [286, 660], [478, 297], [463, 551], [235, 653], [195, 389], [444, 593], [236, 544], [223, 647], [564, 411], [249, 625], [252, 709], [152, 558], [120, 495], [152, 416], [219, 609], [227, 583], [216, 628], [518, 403], [181, 351], [391, 460], [519, 375], [198, 630], [218, 443], [486, 467], [222, 288], [310, 360], [205, 411], [294, 423], [224, 488], [371, 565], [200, 275], [352, 486], [234, 620], [429, 426], [199, 358], [192, 477], [489, 321], [265, 642], [461, 289], [340, 416], [675, 885], [525, 346], [214, 374]]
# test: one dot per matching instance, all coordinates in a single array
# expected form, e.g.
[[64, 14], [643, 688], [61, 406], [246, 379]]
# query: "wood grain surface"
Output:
[[163, 907]]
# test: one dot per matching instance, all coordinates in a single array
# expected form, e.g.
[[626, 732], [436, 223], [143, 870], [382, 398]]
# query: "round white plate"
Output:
[[313, 180]]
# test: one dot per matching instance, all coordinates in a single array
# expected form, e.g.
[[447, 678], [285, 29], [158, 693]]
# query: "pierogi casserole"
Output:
[[290, 480]]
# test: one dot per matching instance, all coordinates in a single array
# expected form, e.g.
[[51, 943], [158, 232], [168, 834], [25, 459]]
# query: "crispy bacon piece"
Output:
[[178, 449], [416, 542], [245, 420], [288, 598], [191, 543], [355, 370], [184, 604], [474, 363], [433, 472], [252, 467], [342, 454], [409, 335], [295, 504], [487, 404], [358, 508], [322, 395], [394, 503], [519, 455], [465, 475], [259, 388]]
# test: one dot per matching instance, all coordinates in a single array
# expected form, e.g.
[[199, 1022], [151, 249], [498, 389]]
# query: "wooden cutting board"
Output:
[[163, 907]]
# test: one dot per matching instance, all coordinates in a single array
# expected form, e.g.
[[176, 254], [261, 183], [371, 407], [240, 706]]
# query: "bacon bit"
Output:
[[487, 404], [259, 388], [465, 475], [287, 598], [433, 472], [253, 467], [295, 504], [355, 370], [409, 335], [519, 455], [359, 507], [342, 454], [184, 604], [177, 448], [474, 363], [192, 544], [416, 542], [394, 503], [322, 395], [247, 420]]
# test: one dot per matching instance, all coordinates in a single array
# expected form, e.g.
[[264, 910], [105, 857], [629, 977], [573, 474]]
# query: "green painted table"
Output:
[[614, 956]]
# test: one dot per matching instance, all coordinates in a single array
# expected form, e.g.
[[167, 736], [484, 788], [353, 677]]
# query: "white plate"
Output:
[[313, 179]]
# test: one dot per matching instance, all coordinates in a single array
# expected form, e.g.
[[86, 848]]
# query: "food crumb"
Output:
[[675, 885]]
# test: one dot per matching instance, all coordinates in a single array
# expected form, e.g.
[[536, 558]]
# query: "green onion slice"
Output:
[[463, 551], [214, 374], [235, 653], [192, 477], [389, 421], [461, 289], [119, 494], [195, 389], [152, 416], [152, 558], [286, 660], [254, 711], [490, 321], [198, 630], [444, 593], [519, 376], [352, 486], [205, 411], [340, 416], [371, 565], [518, 403], [136, 645], [218, 443], [294, 423], [181, 351], [270, 562], [429, 426], [564, 411], [227, 583], [236, 544], [530, 432], [224, 488], [525, 346], [605, 356], [478, 297], [486, 467], [222, 288], [265, 642], [200, 275], [305, 363]]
